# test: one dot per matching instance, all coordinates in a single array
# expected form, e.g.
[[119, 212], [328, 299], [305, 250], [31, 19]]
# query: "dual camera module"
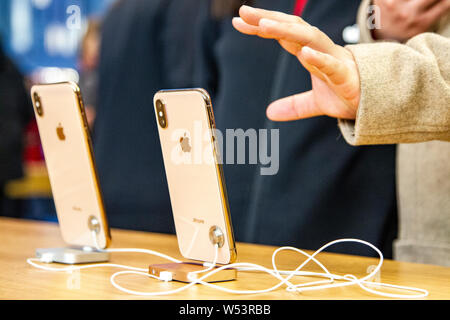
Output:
[[160, 110], [161, 113], [38, 104]]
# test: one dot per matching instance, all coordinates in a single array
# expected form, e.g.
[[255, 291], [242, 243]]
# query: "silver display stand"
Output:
[[72, 255], [75, 255]]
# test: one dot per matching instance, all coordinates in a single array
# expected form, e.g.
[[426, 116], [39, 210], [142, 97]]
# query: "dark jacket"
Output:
[[136, 61], [15, 112], [238, 71], [325, 189]]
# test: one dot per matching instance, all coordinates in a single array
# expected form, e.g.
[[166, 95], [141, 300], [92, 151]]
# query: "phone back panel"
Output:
[[68, 155], [195, 179]]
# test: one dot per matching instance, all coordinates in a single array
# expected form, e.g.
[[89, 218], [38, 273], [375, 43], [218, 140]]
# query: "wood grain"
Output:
[[18, 280]]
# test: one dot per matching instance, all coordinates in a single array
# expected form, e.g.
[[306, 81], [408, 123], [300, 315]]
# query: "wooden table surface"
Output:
[[18, 280]]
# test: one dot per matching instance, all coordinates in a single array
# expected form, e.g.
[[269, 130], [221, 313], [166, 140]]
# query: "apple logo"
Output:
[[185, 145], [60, 133]]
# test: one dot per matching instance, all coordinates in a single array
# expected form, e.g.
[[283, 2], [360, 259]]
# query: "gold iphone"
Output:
[[194, 174], [67, 147]]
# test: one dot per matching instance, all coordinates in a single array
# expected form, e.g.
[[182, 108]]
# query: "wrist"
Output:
[[355, 83]]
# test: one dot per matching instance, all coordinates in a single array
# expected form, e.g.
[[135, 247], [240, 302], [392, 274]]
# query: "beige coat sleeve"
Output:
[[405, 92]]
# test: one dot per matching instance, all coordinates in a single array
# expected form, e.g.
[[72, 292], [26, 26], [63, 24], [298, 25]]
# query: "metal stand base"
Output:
[[72, 255], [180, 272]]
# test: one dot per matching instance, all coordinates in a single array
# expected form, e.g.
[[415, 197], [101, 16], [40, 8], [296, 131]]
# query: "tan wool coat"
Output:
[[405, 100]]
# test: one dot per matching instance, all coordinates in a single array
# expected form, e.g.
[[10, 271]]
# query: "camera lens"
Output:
[[161, 113], [38, 104]]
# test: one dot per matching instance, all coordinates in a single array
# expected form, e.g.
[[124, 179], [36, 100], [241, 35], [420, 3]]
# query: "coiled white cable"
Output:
[[329, 281], [315, 285]]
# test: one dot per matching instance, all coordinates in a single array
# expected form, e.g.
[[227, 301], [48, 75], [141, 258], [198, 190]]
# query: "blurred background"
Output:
[[122, 52], [45, 41]]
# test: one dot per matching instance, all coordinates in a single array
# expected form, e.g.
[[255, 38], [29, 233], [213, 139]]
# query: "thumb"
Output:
[[299, 106]]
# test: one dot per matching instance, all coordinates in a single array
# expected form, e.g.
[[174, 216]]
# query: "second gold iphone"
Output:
[[194, 175]]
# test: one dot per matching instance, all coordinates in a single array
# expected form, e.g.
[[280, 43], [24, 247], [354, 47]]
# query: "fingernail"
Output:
[[267, 22], [247, 7]]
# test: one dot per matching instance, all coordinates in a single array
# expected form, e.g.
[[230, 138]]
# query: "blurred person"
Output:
[[137, 60], [424, 222], [401, 20], [179, 46], [410, 104], [324, 189], [242, 74], [229, 66], [15, 113], [88, 65]]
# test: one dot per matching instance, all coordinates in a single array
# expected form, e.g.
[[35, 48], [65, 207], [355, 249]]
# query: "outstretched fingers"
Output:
[[300, 34], [240, 25], [252, 16], [291, 31]]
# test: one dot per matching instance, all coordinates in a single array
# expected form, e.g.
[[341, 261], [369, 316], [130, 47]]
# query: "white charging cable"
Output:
[[347, 280], [48, 259], [329, 281], [133, 250], [33, 262], [169, 292]]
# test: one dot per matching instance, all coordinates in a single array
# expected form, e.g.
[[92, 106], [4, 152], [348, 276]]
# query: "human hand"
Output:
[[401, 20], [334, 74]]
